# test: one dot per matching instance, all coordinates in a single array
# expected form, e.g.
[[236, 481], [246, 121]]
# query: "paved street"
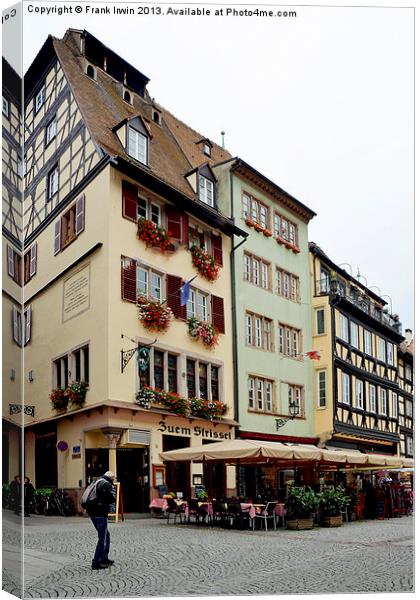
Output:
[[156, 559]]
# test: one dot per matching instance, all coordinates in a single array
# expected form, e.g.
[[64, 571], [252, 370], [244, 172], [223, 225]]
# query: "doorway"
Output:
[[178, 478], [133, 475]]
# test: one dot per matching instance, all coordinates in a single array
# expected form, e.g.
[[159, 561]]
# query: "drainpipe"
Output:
[[234, 319]]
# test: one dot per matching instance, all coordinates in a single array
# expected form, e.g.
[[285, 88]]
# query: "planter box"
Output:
[[300, 523], [336, 521]]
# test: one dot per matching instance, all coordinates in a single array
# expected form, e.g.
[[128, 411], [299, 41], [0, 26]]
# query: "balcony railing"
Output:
[[325, 287]]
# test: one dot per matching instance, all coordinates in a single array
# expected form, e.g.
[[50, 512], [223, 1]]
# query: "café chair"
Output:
[[219, 512], [194, 510], [267, 513], [174, 510]]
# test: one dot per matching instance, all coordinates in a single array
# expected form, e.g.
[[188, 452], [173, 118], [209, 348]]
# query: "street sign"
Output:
[[62, 446]]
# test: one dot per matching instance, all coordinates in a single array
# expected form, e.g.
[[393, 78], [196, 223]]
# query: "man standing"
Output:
[[98, 510]]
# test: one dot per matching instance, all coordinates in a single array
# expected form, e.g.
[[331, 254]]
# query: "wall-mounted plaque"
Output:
[[76, 293]]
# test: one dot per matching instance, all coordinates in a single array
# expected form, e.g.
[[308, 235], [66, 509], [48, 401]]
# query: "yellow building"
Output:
[[355, 379], [117, 214]]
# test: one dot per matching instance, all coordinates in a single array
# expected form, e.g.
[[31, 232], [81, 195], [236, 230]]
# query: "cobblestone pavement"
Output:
[[157, 559]]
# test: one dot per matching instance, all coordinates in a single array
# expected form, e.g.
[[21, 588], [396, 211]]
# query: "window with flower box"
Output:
[[260, 394], [198, 305], [61, 371], [136, 206], [258, 331], [287, 285], [285, 229], [203, 380], [289, 341], [255, 210], [72, 366], [149, 283], [162, 371], [256, 271]]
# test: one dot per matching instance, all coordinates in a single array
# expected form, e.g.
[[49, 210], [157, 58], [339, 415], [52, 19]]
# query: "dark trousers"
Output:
[[102, 547]]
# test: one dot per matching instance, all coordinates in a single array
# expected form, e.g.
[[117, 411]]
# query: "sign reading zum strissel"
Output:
[[76, 294]]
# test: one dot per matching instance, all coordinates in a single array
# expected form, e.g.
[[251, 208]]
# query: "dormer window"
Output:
[[90, 71], [127, 97], [137, 145], [157, 118], [207, 149], [206, 190]]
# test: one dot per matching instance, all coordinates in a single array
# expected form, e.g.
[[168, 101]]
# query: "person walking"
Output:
[[28, 496], [98, 510]]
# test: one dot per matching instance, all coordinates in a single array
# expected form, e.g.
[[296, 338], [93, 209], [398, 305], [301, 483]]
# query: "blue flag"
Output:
[[185, 293]]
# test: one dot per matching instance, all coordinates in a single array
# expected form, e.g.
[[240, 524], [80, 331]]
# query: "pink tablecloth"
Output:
[[279, 509], [159, 503]]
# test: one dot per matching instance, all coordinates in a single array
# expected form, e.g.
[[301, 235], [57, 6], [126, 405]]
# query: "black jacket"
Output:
[[105, 496]]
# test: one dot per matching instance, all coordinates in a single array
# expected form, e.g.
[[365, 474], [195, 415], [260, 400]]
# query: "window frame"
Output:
[[150, 271], [292, 396], [343, 327], [42, 95], [209, 378], [195, 295], [208, 186], [49, 139], [149, 374], [367, 335], [139, 136], [354, 334], [317, 312], [284, 285], [286, 226], [51, 189], [290, 338], [256, 266], [324, 373], [359, 393], [383, 401], [6, 104], [258, 333], [373, 407], [345, 398], [265, 403]]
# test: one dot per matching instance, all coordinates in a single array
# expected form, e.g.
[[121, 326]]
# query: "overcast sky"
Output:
[[322, 104]]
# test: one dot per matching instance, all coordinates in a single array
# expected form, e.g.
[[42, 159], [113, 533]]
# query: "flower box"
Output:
[[153, 315], [296, 249], [204, 263], [59, 399], [259, 227], [267, 233], [154, 236], [207, 409], [76, 393], [204, 331], [249, 222]]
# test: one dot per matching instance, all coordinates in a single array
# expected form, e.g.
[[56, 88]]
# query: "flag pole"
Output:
[[180, 288]]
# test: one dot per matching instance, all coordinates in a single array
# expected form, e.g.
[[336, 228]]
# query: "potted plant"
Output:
[[332, 501], [59, 399], [301, 503], [76, 393]]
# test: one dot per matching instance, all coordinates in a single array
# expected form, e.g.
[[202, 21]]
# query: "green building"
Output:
[[272, 304]]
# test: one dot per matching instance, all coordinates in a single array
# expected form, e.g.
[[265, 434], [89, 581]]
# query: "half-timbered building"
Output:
[[14, 318], [356, 377], [116, 213], [406, 394]]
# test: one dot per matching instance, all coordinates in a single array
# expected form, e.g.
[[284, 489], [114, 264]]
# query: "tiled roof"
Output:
[[188, 140], [103, 107]]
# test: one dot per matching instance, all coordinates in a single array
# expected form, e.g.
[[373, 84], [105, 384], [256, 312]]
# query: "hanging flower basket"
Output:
[[280, 241], [258, 227], [59, 399], [201, 329], [249, 222], [153, 235], [207, 409], [204, 263], [154, 315], [76, 393], [267, 232]]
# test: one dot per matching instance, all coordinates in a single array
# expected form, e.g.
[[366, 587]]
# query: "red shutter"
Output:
[[80, 214], [129, 201], [177, 224], [128, 279], [174, 217], [218, 313], [173, 295], [216, 243]]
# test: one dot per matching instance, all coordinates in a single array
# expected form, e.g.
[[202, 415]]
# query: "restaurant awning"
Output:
[[244, 450]]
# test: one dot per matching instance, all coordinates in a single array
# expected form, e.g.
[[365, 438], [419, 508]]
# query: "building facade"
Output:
[[406, 394], [120, 220], [356, 378]]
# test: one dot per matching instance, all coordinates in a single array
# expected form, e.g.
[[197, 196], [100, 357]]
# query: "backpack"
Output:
[[90, 494]]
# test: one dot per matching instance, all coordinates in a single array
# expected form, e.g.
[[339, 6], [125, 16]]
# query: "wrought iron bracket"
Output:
[[280, 423], [16, 409], [127, 355]]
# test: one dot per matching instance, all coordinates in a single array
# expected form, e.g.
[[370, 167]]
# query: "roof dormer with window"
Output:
[[134, 134], [203, 181]]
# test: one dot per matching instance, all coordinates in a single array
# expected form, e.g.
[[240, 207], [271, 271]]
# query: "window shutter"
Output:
[[80, 214], [185, 231], [28, 324], [129, 201], [218, 313], [10, 262], [216, 243], [33, 258], [128, 279], [16, 328], [173, 284], [174, 217], [57, 237]]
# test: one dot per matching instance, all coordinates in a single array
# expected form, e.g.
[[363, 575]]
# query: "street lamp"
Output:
[[294, 410]]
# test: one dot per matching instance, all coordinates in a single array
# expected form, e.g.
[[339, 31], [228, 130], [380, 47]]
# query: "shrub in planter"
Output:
[[332, 501], [301, 503], [59, 399]]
